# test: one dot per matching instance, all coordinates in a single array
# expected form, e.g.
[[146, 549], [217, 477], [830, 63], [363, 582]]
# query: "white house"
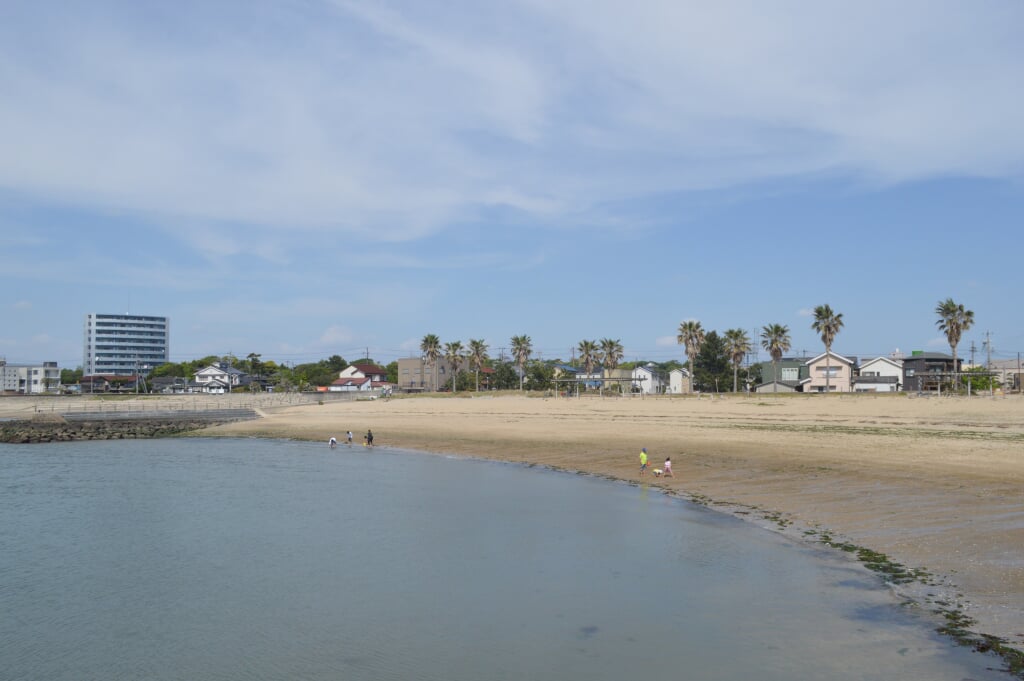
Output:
[[679, 381], [648, 380], [351, 384], [879, 375], [220, 378]]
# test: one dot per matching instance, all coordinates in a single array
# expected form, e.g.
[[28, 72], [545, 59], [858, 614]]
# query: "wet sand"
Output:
[[934, 483]]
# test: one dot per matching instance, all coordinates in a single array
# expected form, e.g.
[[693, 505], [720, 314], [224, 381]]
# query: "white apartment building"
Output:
[[29, 379], [124, 344]]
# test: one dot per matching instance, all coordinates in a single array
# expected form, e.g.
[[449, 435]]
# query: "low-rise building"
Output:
[[29, 379]]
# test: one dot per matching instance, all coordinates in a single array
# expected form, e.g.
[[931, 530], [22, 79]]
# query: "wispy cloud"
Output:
[[389, 121]]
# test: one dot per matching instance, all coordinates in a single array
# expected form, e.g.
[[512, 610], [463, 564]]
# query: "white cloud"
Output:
[[392, 121], [666, 341], [805, 312], [23, 305]]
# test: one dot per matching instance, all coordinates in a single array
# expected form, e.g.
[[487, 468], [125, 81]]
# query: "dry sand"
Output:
[[933, 483]]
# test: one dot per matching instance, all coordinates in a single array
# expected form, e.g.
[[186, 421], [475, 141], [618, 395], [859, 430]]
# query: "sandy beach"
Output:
[[933, 483]]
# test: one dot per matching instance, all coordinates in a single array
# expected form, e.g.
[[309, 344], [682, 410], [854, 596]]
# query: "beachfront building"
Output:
[[649, 380], [29, 379], [219, 378], [124, 344], [928, 370], [879, 375], [416, 375], [829, 370], [378, 375], [679, 381]]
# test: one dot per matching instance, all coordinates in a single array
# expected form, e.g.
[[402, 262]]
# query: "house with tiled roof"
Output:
[[376, 375]]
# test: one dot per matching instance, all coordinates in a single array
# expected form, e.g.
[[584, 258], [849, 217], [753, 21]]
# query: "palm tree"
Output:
[[691, 335], [611, 354], [737, 345], [827, 323], [477, 357], [430, 346], [775, 339], [953, 321], [453, 353], [588, 356], [521, 349]]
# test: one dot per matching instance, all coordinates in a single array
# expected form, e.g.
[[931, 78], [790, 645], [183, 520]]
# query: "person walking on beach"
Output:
[[667, 470], [643, 461], [349, 438], [369, 438]]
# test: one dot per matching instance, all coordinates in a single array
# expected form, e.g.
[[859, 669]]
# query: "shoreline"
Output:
[[929, 485]]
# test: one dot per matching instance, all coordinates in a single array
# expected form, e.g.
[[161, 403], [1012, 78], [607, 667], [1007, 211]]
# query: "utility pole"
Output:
[[972, 353], [988, 364]]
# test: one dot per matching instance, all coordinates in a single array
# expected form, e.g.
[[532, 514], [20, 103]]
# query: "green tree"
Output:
[[541, 375], [430, 346], [505, 377], [953, 321], [588, 355], [453, 353], [522, 348], [691, 336], [392, 372], [827, 323], [477, 357], [611, 355], [737, 346], [70, 376], [775, 339], [712, 363]]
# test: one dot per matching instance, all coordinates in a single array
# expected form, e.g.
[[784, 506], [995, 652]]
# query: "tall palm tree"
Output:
[[588, 356], [522, 347], [430, 346], [611, 354], [775, 339], [477, 357], [691, 335], [827, 323], [953, 321], [737, 345], [453, 353]]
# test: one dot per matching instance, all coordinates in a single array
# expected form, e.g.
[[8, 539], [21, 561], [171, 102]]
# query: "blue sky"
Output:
[[308, 178]]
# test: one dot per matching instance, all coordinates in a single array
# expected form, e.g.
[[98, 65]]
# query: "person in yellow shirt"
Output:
[[643, 461]]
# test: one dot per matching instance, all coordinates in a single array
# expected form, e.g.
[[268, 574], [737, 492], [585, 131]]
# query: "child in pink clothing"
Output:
[[667, 470]]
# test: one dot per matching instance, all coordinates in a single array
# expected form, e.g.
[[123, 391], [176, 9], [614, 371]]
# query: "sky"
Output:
[[317, 177]]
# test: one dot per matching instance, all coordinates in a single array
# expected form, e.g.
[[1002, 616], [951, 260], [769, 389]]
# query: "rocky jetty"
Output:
[[54, 428]]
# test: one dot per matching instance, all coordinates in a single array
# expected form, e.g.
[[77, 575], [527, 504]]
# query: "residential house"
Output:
[[375, 373], [831, 371], [649, 380], [349, 384], [879, 375], [791, 370], [1008, 373], [928, 370], [679, 381], [778, 387], [220, 377]]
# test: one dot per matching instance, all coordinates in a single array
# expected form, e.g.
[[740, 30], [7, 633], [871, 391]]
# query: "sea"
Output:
[[232, 559]]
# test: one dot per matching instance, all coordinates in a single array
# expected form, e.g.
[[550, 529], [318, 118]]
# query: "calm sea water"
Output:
[[257, 559]]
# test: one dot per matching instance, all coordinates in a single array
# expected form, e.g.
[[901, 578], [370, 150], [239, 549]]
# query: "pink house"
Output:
[[837, 369]]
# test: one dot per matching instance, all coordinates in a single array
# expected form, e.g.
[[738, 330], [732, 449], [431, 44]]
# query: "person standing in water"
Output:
[[332, 443], [369, 438], [349, 434]]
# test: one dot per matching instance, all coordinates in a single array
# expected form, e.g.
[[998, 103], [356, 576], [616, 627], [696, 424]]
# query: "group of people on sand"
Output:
[[367, 439], [665, 470]]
